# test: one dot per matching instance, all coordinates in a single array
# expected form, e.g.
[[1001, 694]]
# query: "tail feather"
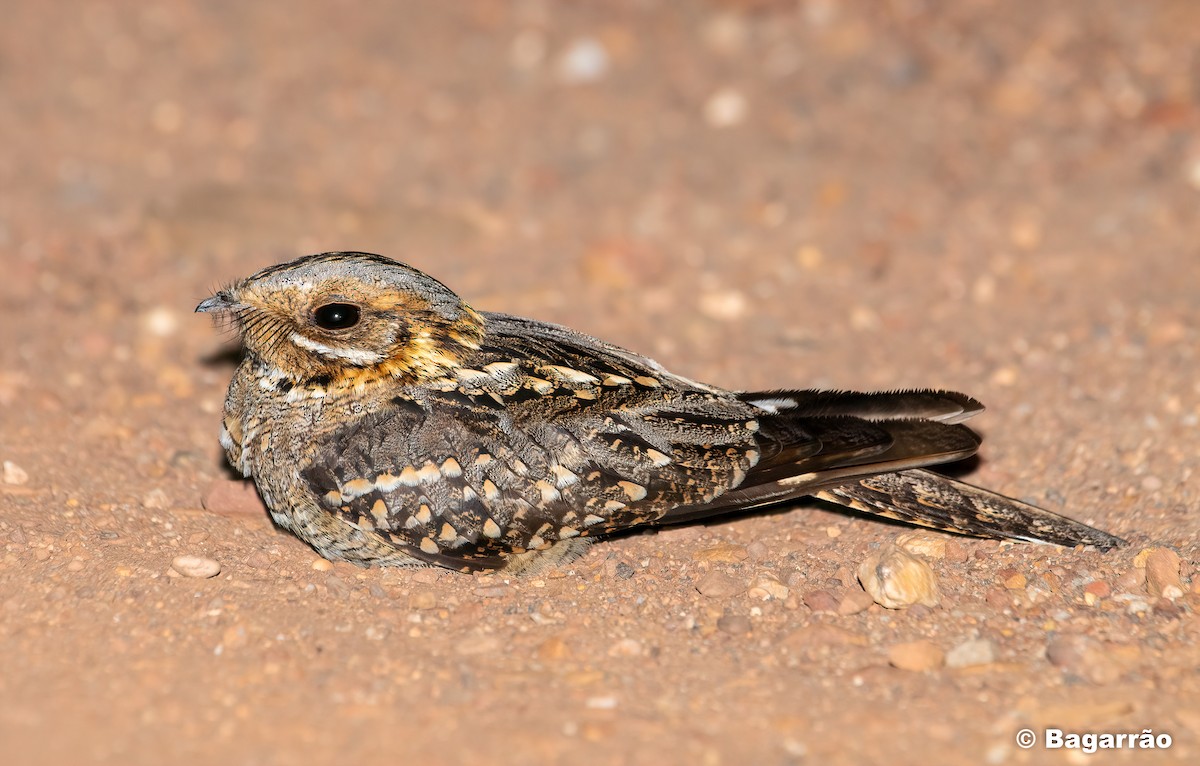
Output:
[[867, 451], [928, 499]]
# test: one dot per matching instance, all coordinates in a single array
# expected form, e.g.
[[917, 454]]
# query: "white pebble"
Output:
[[196, 566], [14, 474], [978, 651], [161, 321], [585, 60], [725, 108], [725, 305], [896, 579]]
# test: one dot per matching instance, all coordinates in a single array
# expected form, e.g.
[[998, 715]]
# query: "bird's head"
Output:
[[336, 315]]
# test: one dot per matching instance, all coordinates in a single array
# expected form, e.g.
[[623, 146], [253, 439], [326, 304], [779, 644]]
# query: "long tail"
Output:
[[928, 499], [867, 451]]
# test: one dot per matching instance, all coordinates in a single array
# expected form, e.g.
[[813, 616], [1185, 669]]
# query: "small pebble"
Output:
[[719, 585], [161, 321], [979, 651], [766, 588], [422, 599], [427, 576], [728, 553], [724, 305], [821, 600], [626, 647], [156, 500], [337, 587], [14, 474], [196, 566], [897, 579], [258, 560], [322, 565], [1162, 574], [725, 108], [585, 60], [1096, 590], [923, 544], [854, 602], [917, 656], [736, 624]]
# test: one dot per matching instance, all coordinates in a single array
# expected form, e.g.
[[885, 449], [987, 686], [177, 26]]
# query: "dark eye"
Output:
[[336, 316]]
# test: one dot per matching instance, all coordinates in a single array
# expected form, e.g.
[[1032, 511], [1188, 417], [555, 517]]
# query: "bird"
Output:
[[385, 421]]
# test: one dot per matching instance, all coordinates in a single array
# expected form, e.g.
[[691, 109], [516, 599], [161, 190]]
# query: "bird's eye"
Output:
[[336, 316]]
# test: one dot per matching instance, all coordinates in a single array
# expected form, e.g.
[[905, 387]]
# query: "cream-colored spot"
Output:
[[536, 542], [472, 377], [800, 478], [563, 477], [412, 522], [752, 426], [386, 482], [490, 490], [428, 545], [542, 387], [429, 473], [409, 477], [518, 467], [451, 468], [357, 488], [423, 514], [613, 505], [567, 532], [333, 498], [379, 510], [448, 533], [501, 369], [592, 519], [657, 458], [648, 382], [567, 374], [483, 459], [468, 494], [615, 380], [586, 394], [491, 529], [634, 491], [549, 493], [752, 456]]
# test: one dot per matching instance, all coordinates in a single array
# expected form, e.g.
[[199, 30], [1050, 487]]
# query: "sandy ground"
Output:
[[995, 197]]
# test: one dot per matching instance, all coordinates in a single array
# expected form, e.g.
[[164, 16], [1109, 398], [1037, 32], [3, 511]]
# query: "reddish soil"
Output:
[[993, 197]]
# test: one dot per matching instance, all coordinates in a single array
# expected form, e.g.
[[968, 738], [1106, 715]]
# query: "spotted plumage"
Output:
[[384, 421]]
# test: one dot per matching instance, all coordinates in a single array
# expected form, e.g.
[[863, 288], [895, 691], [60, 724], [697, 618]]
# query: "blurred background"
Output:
[[999, 197]]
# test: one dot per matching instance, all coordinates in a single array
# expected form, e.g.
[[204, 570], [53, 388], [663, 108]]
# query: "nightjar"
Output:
[[385, 421]]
